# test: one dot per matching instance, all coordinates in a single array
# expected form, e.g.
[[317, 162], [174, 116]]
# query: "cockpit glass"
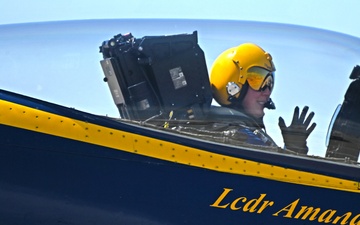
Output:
[[166, 81]]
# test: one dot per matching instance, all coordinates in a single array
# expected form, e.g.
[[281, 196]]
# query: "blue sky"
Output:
[[336, 15]]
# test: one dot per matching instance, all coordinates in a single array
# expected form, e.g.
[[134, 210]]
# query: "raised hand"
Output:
[[296, 134]]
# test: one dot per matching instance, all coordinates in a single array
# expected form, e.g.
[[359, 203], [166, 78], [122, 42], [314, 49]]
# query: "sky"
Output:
[[341, 16]]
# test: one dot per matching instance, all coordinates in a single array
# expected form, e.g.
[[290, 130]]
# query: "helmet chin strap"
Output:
[[236, 102]]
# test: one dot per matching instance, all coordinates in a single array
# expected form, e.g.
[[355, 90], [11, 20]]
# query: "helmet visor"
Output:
[[259, 79]]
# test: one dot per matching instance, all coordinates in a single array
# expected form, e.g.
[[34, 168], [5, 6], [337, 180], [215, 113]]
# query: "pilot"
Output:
[[242, 79]]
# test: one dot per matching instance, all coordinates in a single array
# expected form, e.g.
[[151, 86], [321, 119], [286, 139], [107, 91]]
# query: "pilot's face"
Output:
[[254, 101]]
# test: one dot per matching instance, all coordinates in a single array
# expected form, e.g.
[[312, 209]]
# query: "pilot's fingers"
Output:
[[308, 119], [303, 114], [311, 128], [295, 116], [281, 123]]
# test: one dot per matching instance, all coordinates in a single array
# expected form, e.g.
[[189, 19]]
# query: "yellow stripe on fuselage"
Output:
[[28, 118]]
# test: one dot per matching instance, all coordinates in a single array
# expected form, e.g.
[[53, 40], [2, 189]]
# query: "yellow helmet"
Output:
[[239, 67]]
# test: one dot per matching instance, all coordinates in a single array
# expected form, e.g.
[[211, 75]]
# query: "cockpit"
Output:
[[158, 76], [163, 82]]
